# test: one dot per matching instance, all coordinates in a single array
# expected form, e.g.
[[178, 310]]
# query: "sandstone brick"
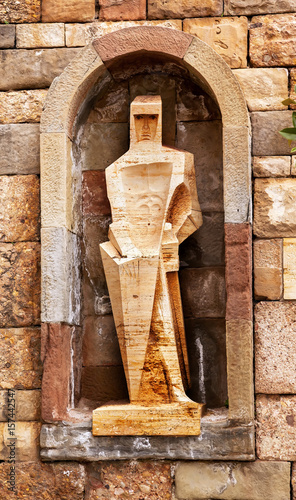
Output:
[[7, 36], [40, 35], [275, 208], [94, 193], [263, 88], [28, 405], [124, 10], [289, 257], [193, 104], [100, 343], [19, 149], [19, 284], [251, 7], [268, 269], [266, 138], [22, 106], [103, 383], [271, 166], [164, 9], [293, 480], [3, 406], [292, 85], [233, 480], [20, 12], [19, 220], [227, 36], [111, 105], [32, 69], [26, 442], [68, 11], [272, 40], [293, 166]]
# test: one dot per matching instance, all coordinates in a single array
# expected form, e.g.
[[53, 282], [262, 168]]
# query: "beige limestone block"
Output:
[[55, 11], [228, 36], [25, 436], [268, 270], [29, 36], [265, 132], [166, 9], [20, 12], [271, 166], [272, 40], [78, 35], [24, 405], [293, 166], [22, 106], [263, 88], [251, 7], [20, 149], [289, 256]]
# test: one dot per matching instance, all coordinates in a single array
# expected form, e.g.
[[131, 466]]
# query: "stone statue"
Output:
[[154, 203]]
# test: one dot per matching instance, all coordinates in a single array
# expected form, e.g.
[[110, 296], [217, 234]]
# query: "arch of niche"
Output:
[[67, 100]]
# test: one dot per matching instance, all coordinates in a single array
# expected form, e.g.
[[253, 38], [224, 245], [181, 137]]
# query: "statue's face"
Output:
[[146, 126]]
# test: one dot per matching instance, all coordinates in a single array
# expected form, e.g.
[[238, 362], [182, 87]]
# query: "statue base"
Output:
[[173, 419]]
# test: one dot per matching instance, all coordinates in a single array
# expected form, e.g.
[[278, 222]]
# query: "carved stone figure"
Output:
[[154, 203]]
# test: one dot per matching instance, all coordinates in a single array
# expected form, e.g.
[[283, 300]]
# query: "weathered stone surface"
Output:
[[266, 138], [275, 354], [276, 430], [289, 257], [26, 436], [68, 11], [22, 106], [233, 481], [272, 40], [21, 405], [94, 193], [7, 36], [228, 36], [193, 104], [268, 269], [32, 69], [250, 7], [292, 85], [20, 12], [185, 8], [124, 10], [19, 284], [103, 383], [20, 358], [19, 219], [263, 88], [19, 149], [203, 292], [112, 104], [100, 343], [3, 406], [275, 208], [271, 166], [29, 36], [293, 166]]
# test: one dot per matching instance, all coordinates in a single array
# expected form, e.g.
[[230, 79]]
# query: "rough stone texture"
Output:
[[292, 85], [263, 88], [271, 166], [32, 69], [289, 258], [68, 11], [111, 105], [268, 269], [44, 481], [293, 480], [272, 40], [103, 384], [227, 36], [3, 406], [40, 35], [19, 218], [136, 480], [19, 284], [20, 363], [22, 106], [20, 148], [275, 355], [250, 7], [203, 292], [26, 443], [165, 9], [94, 193], [193, 104], [122, 10], [7, 36], [293, 166], [276, 430], [24, 405], [20, 12], [100, 343], [275, 208], [266, 138], [233, 481]]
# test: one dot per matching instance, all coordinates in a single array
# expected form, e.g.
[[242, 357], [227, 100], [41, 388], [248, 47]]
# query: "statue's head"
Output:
[[145, 125]]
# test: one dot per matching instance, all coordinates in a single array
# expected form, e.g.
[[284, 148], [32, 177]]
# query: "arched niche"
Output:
[[69, 100]]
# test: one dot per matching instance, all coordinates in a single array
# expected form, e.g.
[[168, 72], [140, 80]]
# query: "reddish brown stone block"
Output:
[[103, 383], [238, 274], [94, 193], [67, 11], [122, 10]]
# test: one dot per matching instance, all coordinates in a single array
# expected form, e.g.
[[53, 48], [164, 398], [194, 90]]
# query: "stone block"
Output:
[[275, 208], [68, 11], [21, 405], [26, 436], [7, 36], [271, 166], [20, 358], [268, 269], [103, 384], [293, 480], [275, 354], [112, 104], [233, 481], [292, 85], [20, 12], [263, 88], [251, 7], [194, 104], [266, 138], [20, 217], [203, 292], [228, 36], [29, 36], [22, 106], [94, 193], [276, 429], [3, 406], [289, 257], [19, 149], [272, 40], [100, 343], [124, 10], [19, 284], [32, 69], [164, 9]]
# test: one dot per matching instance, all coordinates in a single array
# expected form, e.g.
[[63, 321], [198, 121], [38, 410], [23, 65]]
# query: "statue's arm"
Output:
[[194, 216]]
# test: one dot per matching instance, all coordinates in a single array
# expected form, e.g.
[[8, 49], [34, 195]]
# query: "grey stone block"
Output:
[[20, 149], [7, 36], [266, 138]]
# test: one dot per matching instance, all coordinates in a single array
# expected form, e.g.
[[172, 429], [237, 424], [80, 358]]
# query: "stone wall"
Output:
[[37, 40]]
